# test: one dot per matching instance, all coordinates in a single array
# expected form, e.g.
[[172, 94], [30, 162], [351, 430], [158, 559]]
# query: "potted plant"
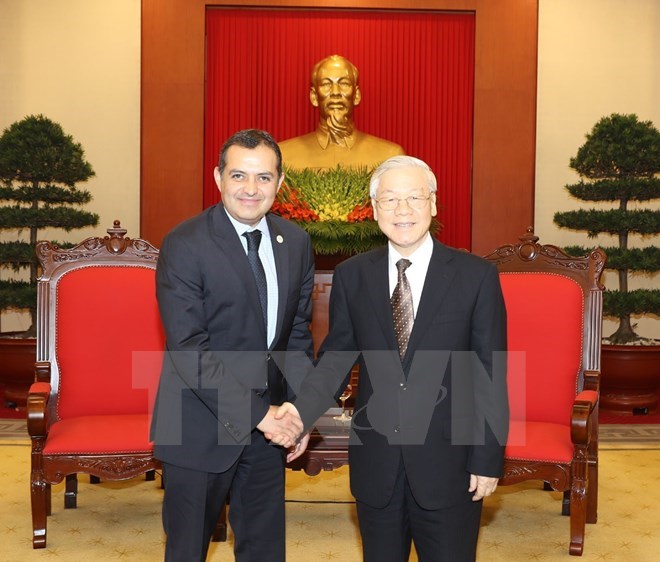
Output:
[[39, 168], [620, 163]]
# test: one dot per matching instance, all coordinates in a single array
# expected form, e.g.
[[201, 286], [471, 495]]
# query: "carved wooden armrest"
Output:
[[583, 405], [592, 380], [37, 402], [42, 371]]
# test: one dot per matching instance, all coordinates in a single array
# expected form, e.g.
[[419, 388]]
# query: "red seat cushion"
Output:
[[539, 441], [97, 435]]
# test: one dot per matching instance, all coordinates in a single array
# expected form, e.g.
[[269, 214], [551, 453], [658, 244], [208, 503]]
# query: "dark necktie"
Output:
[[253, 241], [402, 307], [275, 381]]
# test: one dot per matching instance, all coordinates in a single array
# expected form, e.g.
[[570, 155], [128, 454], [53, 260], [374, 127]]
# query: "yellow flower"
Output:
[[331, 211]]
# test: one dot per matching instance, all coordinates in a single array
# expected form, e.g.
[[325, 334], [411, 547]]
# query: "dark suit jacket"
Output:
[[427, 410], [211, 392]]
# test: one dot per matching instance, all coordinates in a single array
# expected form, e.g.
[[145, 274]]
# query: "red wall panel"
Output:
[[416, 76]]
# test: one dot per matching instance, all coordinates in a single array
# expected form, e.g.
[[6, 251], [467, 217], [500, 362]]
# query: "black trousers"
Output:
[[440, 535], [255, 486]]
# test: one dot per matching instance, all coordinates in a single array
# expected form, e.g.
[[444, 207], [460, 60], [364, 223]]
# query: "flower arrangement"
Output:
[[333, 206]]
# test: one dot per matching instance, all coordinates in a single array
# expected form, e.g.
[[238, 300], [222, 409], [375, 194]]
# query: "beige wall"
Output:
[[596, 57], [78, 63]]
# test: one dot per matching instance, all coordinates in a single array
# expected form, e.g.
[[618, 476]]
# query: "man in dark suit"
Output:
[[431, 413], [233, 286]]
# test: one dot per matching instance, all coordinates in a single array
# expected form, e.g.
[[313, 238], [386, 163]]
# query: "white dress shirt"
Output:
[[416, 272], [268, 261]]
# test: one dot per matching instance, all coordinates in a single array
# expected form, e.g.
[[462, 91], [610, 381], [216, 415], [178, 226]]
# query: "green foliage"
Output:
[[46, 217], [39, 168], [619, 146], [331, 237], [628, 189], [613, 221], [639, 301], [620, 161], [36, 150], [15, 254], [51, 194], [17, 295], [634, 259]]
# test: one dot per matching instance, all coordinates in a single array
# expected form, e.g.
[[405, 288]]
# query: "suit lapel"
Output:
[[438, 280], [226, 238], [281, 249], [379, 282]]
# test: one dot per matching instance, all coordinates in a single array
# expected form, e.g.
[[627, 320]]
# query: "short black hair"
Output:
[[250, 138]]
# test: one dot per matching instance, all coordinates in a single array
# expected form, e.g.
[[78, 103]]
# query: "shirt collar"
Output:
[[420, 255], [243, 228]]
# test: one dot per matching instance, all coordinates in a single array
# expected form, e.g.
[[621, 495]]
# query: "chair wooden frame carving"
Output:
[[61, 432], [563, 451]]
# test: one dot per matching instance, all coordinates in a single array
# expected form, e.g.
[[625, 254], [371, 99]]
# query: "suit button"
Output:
[[403, 386], [396, 429]]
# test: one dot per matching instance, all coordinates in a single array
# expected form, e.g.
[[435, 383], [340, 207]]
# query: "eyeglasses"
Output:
[[390, 203]]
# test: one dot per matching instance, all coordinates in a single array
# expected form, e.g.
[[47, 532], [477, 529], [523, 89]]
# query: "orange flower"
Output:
[[289, 206], [361, 213]]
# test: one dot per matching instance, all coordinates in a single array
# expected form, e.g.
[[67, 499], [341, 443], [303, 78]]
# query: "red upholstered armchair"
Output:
[[554, 310], [99, 350]]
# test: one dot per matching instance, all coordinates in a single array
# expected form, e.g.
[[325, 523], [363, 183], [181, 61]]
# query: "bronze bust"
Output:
[[336, 142]]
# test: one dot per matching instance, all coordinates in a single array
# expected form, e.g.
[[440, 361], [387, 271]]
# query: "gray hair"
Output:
[[402, 162]]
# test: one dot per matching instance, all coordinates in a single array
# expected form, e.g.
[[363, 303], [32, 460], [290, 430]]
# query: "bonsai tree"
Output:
[[620, 162], [39, 168]]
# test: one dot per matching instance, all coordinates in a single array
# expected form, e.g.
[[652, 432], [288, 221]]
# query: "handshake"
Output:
[[282, 426]]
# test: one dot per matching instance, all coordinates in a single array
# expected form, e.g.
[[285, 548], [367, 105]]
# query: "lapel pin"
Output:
[[279, 239]]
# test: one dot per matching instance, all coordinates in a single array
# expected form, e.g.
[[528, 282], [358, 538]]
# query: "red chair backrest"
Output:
[[545, 322], [108, 341]]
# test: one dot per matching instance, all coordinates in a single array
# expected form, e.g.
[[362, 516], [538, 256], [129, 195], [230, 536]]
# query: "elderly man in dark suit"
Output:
[[234, 285], [431, 413]]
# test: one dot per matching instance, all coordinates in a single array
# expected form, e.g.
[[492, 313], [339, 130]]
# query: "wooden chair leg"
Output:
[[71, 491], [94, 479], [49, 507], [578, 507], [150, 475], [39, 499], [566, 503], [220, 532], [592, 493]]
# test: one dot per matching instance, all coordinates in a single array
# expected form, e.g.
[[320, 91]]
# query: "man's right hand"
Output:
[[282, 430]]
